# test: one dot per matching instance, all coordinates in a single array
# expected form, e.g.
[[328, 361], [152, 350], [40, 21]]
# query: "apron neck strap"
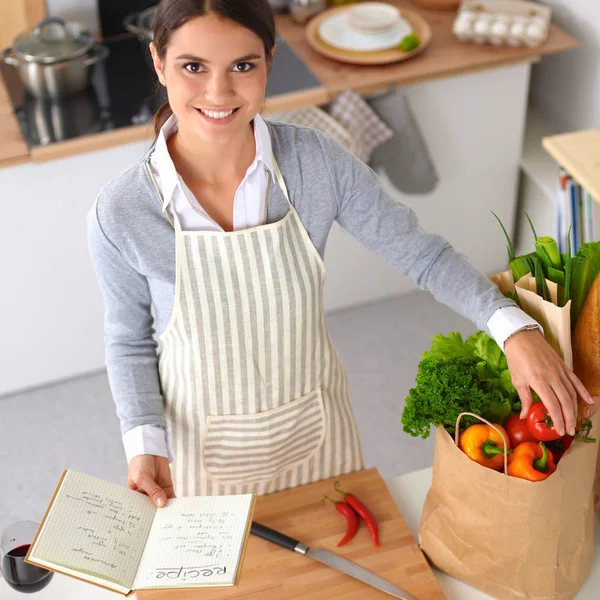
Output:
[[280, 180]]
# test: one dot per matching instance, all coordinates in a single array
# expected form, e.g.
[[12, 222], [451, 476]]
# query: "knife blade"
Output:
[[331, 560]]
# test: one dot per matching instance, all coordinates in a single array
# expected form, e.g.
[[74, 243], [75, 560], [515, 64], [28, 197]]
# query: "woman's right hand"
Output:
[[151, 475]]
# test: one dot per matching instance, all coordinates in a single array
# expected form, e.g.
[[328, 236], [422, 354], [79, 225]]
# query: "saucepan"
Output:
[[55, 58]]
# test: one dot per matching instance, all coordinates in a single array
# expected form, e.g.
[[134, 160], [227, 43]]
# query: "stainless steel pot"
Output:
[[55, 59]]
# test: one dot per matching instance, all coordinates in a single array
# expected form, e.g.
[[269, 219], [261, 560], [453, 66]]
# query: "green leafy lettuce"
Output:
[[455, 376]]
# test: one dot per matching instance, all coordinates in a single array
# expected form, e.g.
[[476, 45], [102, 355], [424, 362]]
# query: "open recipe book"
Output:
[[116, 538]]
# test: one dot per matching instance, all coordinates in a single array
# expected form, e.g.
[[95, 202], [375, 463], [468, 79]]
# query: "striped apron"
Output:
[[256, 397]]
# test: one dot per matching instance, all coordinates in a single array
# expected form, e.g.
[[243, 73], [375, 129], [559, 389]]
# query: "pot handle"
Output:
[[8, 58], [130, 23], [100, 53], [49, 21]]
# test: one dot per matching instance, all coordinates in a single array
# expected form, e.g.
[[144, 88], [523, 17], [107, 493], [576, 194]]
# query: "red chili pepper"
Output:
[[363, 511], [351, 518]]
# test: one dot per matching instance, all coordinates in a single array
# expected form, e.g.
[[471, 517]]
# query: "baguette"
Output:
[[586, 341]]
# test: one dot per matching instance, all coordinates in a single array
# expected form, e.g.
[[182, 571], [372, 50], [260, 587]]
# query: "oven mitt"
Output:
[[404, 158], [364, 125]]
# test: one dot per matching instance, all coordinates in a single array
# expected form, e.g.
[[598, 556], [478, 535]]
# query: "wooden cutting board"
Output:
[[274, 573]]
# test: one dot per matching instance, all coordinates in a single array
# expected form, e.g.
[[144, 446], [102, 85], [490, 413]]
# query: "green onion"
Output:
[[568, 265], [519, 267], [535, 237], [509, 246], [556, 276], [540, 280], [547, 251]]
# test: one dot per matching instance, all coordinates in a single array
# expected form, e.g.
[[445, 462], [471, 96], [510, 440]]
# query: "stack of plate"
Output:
[[369, 33]]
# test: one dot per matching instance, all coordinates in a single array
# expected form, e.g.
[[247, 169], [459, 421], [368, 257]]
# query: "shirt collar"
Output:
[[264, 148], [168, 173], [169, 178]]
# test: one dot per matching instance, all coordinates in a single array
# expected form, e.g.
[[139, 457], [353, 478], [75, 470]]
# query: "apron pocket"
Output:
[[262, 446]]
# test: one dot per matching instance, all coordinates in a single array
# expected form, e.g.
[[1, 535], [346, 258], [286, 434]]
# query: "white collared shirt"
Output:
[[249, 204], [249, 210]]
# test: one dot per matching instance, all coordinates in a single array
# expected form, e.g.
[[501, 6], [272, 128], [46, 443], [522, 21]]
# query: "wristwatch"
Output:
[[529, 327]]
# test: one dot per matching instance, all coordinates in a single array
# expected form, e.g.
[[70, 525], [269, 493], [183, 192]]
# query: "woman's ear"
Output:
[[158, 64]]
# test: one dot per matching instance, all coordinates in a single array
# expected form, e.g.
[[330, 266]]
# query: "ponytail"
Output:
[[161, 117]]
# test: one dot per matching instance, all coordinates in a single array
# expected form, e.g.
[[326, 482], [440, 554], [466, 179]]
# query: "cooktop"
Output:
[[124, 91]]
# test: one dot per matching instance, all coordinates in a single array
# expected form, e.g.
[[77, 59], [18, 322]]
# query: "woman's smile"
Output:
[[218, 117]]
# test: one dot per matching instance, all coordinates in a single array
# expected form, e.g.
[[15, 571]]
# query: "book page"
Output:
[[196, 541], [95, 527]]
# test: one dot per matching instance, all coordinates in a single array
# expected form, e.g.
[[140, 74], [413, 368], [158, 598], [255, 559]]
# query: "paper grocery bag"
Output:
[[555, 320], [505, 281], [511, 538]]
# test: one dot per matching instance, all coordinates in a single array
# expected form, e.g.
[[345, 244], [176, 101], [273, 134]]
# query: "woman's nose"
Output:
[[218, 88]]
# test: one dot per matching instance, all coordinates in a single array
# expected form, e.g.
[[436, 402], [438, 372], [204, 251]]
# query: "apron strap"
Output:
[[280, 180]]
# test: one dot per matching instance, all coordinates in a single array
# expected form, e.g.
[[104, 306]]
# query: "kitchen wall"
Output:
[[565, 88], [565, 91], [83, 11]]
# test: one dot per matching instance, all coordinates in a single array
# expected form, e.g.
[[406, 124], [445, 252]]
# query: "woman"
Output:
[[221, 229]]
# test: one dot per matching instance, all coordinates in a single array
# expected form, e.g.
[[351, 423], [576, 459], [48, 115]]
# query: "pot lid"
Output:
[[53, 40]]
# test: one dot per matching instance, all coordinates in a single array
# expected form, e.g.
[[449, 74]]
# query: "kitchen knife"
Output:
[[331, 560]]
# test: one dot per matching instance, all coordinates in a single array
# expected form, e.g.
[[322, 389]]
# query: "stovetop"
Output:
[[124, 92]]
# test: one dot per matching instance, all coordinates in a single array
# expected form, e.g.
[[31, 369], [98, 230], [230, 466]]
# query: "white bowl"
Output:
[[335, 32], [373, 17]]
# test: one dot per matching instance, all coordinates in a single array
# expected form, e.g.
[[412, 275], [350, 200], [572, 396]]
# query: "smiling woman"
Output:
[[214, 241], [180, 53]]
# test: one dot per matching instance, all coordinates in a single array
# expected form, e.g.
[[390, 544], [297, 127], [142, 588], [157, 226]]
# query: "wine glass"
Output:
[[14, 544]]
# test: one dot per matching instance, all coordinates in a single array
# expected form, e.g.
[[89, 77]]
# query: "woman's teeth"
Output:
[[217, 114]]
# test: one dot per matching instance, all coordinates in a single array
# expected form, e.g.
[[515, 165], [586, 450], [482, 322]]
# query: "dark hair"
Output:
[[255, 15]]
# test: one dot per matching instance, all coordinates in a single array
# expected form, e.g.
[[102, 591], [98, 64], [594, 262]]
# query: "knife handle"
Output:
[[266, 533]]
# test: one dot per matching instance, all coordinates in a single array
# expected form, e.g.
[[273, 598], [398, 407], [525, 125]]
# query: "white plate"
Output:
[[335, 31]]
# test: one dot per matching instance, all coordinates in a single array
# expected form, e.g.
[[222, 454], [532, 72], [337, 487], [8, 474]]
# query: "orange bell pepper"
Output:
[[484, 445], [531, 461]]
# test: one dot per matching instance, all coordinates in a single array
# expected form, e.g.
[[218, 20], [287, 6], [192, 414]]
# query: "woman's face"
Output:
[[215, 72]]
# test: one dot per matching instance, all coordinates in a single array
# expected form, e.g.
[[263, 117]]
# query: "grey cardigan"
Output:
[[132, 248]]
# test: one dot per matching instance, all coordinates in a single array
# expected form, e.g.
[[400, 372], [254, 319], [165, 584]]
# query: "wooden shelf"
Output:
[[579, 154]]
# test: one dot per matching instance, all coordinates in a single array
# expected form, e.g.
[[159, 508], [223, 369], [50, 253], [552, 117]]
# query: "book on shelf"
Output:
[[574, 220], [116, 538]]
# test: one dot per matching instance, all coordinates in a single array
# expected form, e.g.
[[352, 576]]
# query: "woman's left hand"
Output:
[[533, 364]]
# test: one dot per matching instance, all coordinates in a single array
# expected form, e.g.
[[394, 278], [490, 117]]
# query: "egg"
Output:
[[534, 34], [499, 31], [481, 29], [517, 33], [462, 28]]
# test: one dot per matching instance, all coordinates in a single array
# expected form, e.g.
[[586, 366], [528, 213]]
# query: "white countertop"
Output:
[[409, 492]]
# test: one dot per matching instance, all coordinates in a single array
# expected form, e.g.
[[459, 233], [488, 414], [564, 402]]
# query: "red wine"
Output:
[[22, 576]]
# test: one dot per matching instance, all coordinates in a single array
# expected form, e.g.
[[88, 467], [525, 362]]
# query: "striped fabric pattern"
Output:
[[255, 395]]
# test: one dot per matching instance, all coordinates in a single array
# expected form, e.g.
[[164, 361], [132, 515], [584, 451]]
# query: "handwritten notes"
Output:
[[108, 534], [97, 527], [195, 541]]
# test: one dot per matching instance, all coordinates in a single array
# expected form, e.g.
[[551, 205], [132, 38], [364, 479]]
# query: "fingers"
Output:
[[147, 485], [553, 406], [567, 398], [526, 399], [581, 389]]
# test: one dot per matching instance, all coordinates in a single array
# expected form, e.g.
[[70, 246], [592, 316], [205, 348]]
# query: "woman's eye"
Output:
[[193, 67], [244, 67]]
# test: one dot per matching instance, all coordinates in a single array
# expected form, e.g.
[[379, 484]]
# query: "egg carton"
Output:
[[502, 22]]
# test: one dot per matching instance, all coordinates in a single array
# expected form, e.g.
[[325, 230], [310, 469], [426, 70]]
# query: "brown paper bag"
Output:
[[511, 538], [505, 281], [555, 320]]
